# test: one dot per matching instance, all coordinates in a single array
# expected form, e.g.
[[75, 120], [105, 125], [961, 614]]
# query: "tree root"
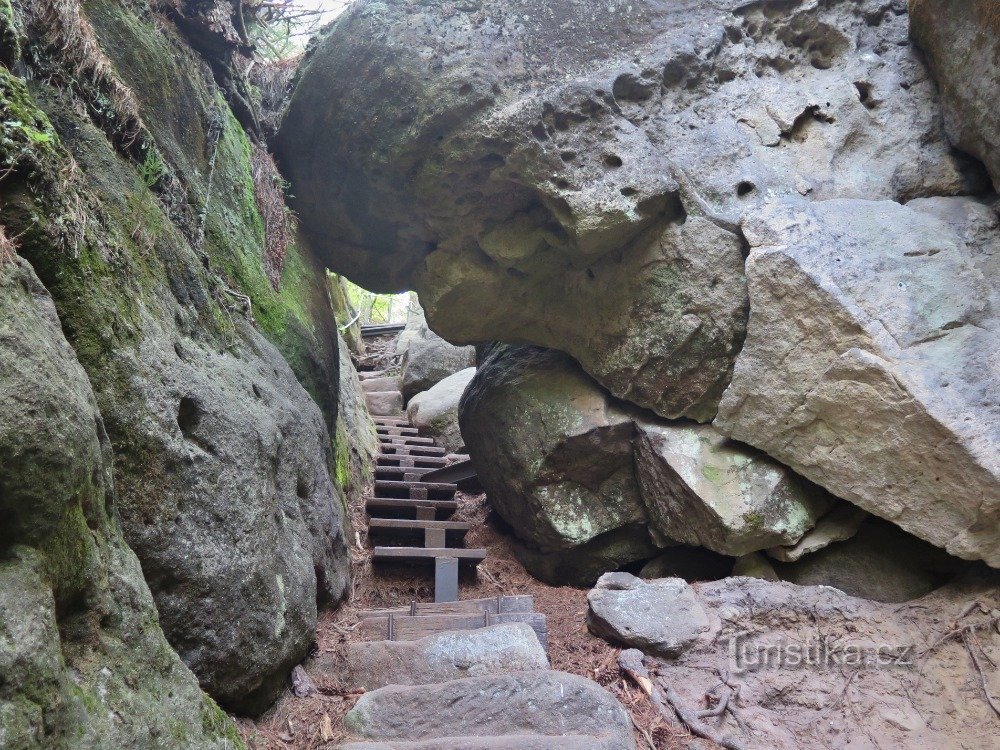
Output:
[[631, 663]]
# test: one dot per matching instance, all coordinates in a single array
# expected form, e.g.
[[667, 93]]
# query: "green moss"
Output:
[[68, 555], [712, 474], [152, 169], [342, 455], [11, 35], [216, 723], [27, 138]]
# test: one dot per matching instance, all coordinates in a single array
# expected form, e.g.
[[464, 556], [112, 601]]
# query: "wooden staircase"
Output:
[[409, 522]]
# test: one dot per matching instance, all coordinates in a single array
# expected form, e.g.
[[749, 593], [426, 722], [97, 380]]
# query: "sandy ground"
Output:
[[316, 721]]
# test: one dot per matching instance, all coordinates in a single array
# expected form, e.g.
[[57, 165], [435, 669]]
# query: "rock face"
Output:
[[550, 704], [553, 451], [881, 562], [702, 489], [789, 647], [840, 524], [427, 358], [84, 663], [661, 616], [500, 649], [961, 40], [535, 162], [872, 343], [435, 411], [213, 360]]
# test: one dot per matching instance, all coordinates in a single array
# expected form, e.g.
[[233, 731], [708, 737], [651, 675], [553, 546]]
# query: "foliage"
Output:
[[377, 308], [281, 28]]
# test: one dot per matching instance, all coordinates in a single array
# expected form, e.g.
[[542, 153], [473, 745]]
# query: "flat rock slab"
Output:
[[660, 616], [384, 403], [383, 383], [509, 742], [546, 703], [499, 649]]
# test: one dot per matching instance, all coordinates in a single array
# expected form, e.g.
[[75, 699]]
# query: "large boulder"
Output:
[[536, 163], [84, 663], [427, 358], [210, 342], [870, 363], [435, 411], [552, 449], [703, 489], [961, 41]]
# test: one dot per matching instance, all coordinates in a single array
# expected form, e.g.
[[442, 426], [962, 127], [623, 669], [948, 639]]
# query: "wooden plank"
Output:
[[412, 450], [404, 440], [430, 462], [418, 555], [494, 605], [462, 474], [415, 530], [398, 472], [410, 628], [398, 430], [403, 488], [396, 507], [435, 538], [383, 421]]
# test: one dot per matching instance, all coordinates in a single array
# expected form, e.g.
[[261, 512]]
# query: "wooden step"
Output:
[[414, 490], [401, 421], [495, 605], [418, 555], [399, 472], [431, 462], [444, 531], [462, 473], [412, 450], [410, 628], [397, 430], [404, 440], [397, 507]]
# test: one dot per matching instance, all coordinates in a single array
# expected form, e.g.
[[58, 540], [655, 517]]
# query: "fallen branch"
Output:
[[631, 663], [982, 675]]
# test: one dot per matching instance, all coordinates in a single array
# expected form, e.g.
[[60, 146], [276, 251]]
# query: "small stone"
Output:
[[660, 617]]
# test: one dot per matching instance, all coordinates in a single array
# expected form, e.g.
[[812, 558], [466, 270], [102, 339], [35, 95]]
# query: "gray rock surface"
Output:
[[552, 449], [546, 703], [841, 523], [427, 358], [961, 41], [435, 411], [880, 562], [870, 365], [661, 616], [791, 698], [356, 438], [702, 489], [558, 158], [84, 663], [384, 403], [499, 649], [755, 565]]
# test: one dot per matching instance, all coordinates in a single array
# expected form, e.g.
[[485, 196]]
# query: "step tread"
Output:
[[413, 627], [494, 605], [404, 484], [392, 460], [412, 450], [428, 554], [407, 523]]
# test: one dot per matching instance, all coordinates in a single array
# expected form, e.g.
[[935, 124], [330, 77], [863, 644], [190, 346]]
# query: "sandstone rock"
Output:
[[839, 524], [536, 187], [870, 362], [213, 360], [384, 403], [427, 358], [881, 562], [660, 616], [552, 449], [755, 565], [435, 411], [536, 705], [83, 660], [789, 648], [961, 39], [383, 383], [500, 649], [356, 437], [702, 489], [584, 564]]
